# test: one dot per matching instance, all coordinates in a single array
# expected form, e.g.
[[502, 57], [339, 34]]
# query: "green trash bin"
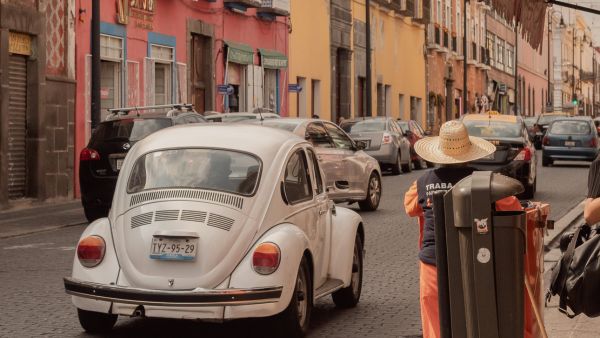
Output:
[[484, 258]]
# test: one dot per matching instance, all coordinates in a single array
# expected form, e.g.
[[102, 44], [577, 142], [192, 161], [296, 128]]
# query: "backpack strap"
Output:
[[561, 278]]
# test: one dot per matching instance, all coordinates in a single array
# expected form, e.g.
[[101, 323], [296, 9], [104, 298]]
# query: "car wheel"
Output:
[[373, 194], [546, 161], [429, 164], [295, 319], [93, 213], [349, 296], [420, 164], [96, 322], [406, 168], [397, 167]]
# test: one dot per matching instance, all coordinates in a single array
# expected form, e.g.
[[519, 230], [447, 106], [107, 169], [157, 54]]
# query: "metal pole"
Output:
[[573, 67], [594, 83], [548, 100], [95, 50], [465, 54], [516, 66], [368, 58]]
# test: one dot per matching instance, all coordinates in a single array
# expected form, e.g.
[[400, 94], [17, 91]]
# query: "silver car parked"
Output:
[[351, 174], [384, 141]]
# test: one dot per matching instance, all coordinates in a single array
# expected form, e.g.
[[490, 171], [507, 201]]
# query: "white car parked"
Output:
[[218, 222]]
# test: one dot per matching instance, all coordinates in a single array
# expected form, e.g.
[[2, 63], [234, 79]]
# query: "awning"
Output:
[[528, 14], [273, 59], [239, 53]]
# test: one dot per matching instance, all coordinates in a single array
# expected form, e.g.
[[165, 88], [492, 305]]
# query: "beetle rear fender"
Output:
[[345, 225], [104, 273], [293, 243]]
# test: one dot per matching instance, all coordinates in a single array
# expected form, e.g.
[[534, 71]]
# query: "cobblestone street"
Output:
[[32, 267]]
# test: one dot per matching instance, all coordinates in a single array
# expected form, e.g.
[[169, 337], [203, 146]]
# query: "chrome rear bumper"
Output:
[[187, 298]]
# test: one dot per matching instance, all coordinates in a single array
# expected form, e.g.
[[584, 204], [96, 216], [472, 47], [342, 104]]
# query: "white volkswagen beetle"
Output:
[[218, 222]]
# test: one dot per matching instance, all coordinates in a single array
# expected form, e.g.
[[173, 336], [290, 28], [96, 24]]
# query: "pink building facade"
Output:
[[220, 55], [533, 72]]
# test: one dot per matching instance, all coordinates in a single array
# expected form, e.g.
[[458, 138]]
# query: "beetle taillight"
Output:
[[265, 259], [90, 251], [88, 154]]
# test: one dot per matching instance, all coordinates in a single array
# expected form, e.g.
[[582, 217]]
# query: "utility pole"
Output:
[[516, 67], [573, 94], [368, 58], [594, 83], [95, 49], [465, 54], [549, 87]]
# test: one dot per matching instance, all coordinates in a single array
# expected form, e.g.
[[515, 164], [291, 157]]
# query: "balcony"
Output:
[[587, 76], [240, 6], [273, 8]]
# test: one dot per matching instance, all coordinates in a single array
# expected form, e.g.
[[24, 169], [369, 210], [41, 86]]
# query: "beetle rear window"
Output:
[[214, 169]]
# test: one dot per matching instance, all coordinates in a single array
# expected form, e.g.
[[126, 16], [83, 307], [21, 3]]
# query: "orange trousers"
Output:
[[428, 289]]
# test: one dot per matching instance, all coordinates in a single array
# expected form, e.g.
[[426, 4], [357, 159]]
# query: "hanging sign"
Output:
[[225, 89], [294, 88], [19, 43]]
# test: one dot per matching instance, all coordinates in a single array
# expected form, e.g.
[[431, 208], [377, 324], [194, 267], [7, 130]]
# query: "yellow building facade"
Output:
[[398, 63], [310, 64]]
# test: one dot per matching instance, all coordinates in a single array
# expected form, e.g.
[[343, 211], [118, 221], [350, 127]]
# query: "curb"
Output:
[[566, 222]]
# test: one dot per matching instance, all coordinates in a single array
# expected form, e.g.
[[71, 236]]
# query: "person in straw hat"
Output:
[[452, 150]]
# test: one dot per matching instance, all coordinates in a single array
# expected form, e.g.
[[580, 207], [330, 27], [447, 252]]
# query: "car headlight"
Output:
[[90, 251], [266, 258]]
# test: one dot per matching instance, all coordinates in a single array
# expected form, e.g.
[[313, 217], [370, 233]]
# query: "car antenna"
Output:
[[260, 113]]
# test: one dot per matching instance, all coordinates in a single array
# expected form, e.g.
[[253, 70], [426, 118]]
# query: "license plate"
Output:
[[174, 248], [570, 143], [119, 163]]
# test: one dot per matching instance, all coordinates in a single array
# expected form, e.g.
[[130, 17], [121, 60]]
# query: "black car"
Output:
[[101, 160], [515, 153]]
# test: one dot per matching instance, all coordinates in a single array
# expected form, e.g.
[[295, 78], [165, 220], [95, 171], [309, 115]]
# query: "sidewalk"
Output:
[[559, 325], [42, 217]]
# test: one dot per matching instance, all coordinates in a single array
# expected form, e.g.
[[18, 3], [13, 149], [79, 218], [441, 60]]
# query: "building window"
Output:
[[380, 100], [510, 55], [448, 15], [315, 97], [500, 53], [301, 103], [111, 75], [415, 109], [270, 84], [491, 46], [163, 73], [439, 12]]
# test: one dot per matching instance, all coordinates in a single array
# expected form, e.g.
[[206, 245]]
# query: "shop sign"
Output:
[[294, 87], [19, 43], [225, 89], [141, 11]]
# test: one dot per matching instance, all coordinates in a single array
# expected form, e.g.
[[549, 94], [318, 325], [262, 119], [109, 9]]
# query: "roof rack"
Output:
[[176, 108]]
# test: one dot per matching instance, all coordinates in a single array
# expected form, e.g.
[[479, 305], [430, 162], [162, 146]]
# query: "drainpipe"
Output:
[[465, 54], [368, 58], [95, 49]]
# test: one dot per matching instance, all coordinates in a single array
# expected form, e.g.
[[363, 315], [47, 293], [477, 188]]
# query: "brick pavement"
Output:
[[32, 267]]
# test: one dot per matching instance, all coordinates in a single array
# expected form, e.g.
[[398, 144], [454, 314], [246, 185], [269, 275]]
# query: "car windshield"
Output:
[[529, 122], [214, 169], [570, 128], [493, 129], [129, 129], [364, 126], [404, 126], [546, 119]]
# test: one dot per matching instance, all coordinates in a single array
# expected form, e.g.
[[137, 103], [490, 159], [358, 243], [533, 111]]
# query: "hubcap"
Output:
[[375, 189], [301, 298]]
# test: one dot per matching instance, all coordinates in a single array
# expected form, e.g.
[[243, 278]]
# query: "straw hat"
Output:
[[454, 145]]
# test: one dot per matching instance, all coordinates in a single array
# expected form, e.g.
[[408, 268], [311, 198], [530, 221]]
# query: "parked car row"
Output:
[[351, 155]]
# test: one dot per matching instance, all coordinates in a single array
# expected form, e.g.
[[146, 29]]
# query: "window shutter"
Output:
[[249, 89], [182, 96], [149, 81], [88, 97], [133, 84]]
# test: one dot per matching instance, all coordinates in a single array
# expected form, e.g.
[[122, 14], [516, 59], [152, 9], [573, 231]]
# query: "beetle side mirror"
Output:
[[360, 145]]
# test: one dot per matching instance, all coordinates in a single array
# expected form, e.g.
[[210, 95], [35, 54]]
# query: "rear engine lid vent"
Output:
[[141, 219], [193, 216], [220, 222], [166, 215]]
